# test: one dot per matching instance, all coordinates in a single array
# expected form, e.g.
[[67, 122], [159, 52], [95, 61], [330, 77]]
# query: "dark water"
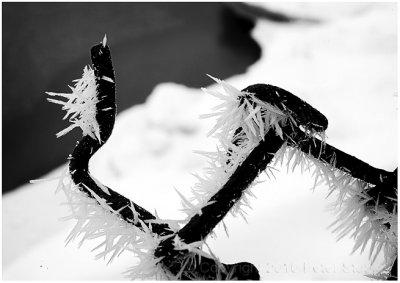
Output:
[[46, 45]]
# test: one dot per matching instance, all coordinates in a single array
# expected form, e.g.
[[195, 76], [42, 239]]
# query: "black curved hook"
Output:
[[88, 146]]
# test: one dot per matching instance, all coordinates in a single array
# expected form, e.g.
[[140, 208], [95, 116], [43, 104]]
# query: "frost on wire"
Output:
[[243, 121], [373, 226], [80, 105]]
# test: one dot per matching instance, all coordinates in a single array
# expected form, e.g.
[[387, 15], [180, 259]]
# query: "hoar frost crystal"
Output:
[[258, 127]]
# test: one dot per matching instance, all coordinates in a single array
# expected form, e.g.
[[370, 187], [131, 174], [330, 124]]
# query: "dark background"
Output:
[[46, 46]]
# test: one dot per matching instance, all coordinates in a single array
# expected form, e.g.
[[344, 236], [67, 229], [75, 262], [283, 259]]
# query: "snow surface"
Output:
[[345, 67]]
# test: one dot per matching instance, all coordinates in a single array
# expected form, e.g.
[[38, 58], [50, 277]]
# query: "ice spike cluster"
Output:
[[241, 110], [242, 121], [80, 105]]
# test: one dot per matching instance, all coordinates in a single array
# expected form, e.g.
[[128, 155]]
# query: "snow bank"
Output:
[[320, 11]]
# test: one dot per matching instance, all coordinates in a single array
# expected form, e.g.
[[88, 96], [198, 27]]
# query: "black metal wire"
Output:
[[202, 224]]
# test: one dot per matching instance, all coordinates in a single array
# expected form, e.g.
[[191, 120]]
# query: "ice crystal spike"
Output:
[[81, 105], [302, 112], [104, 42]]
